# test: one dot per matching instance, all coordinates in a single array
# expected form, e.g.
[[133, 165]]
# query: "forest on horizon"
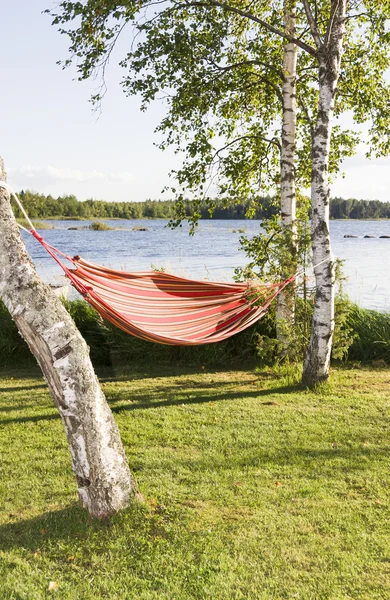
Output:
[[40, 206]]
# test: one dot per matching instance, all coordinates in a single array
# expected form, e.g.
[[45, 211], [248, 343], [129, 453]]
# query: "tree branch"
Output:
[[245, 137], [312, 23], [274, 87], [251, 17], [335, 6], [267, 81], [363, 14], [249, 62]]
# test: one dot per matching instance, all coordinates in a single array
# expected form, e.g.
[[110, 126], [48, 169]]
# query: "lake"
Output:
[[213, 252]]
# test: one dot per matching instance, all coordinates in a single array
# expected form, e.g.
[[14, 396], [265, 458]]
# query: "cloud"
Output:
[[360, 160], [45, 175]]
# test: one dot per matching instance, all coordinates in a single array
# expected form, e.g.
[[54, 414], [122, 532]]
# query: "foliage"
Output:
[[271, 247], [254, 488], [269, 349], [218, 66]]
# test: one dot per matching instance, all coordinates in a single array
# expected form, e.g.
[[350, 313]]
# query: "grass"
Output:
[[37, 224], [254, 489]]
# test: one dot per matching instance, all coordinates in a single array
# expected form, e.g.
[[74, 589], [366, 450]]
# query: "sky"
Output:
[[52, 141]]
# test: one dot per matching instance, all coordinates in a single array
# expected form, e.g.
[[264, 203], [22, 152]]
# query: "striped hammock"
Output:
[[163, 308]]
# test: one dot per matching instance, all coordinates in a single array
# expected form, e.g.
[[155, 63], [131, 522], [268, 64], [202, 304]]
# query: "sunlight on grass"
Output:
[[254, 488]]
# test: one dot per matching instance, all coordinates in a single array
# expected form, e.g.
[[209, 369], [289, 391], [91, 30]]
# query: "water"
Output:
[[213, 252]]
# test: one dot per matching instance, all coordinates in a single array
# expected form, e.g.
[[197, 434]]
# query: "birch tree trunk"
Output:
[[104, 481], [317, 361], [285, 313]]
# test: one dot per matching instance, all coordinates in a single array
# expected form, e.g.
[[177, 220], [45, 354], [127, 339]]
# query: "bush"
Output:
[[99, 226]]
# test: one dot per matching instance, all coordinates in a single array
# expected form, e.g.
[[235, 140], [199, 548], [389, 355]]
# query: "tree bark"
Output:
[[285, 312], [105, 484], [317, 361]]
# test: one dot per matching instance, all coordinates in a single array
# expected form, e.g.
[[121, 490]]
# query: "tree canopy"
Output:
[[218, 68]]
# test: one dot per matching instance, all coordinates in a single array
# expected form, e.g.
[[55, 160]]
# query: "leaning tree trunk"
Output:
[[285, 313], [317, 361], [105, 484]]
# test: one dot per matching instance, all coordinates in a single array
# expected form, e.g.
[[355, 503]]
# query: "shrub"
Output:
[[99, 226]]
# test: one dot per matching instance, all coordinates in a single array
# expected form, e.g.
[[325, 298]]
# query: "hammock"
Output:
[[163, 308]]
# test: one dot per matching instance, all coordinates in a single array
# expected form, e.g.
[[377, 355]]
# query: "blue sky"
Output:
[[52, 142]]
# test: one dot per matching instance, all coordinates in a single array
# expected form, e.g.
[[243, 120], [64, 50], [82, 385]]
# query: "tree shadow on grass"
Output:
[[33, 534], [72, 523], [312, 463], [20, 407], [24, 388], [72, 530], [138, 371], [201, 397], [32, 419], [198, 397]]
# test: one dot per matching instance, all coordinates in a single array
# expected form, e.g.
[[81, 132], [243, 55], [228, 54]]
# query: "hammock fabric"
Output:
[[163, 308]]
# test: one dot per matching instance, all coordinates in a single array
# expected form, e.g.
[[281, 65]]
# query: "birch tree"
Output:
[[220, 66], [105, 484], [285, 313], [340, 29], [329, 53]]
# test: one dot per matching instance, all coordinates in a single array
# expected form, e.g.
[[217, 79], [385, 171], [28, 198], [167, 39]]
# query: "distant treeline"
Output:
[[39, 206], [359, 209]]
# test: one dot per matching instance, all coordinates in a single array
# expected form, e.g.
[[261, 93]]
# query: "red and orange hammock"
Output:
[[164, 308]]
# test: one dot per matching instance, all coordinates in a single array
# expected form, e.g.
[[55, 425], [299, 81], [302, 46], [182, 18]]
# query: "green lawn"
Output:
[[254, 488]]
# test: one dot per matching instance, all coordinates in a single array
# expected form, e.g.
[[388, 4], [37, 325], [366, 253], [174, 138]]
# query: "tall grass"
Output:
[[37, 224], [92, 328], [372, 334]]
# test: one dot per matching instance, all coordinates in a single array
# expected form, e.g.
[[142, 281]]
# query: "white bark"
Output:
[[285, 312], [105, 484], [317, 361]]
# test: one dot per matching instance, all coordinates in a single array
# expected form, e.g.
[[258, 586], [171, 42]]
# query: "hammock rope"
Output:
[[164, 308]]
